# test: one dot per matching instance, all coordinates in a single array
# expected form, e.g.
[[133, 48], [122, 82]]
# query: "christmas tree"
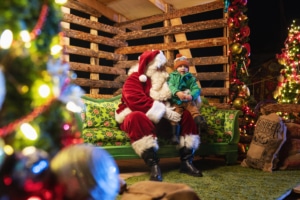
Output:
[[288, 89], [39, 124]]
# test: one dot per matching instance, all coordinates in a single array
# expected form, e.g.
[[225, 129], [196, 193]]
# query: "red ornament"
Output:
[[245, 31], [247, 47]]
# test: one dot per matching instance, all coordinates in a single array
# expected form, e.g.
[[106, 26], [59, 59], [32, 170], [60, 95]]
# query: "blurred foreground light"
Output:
[[44, 91], [56, 49], [61, 1], [71, 106], [6, 39], [25, 36], [28, 131], [34, 198], [29, 150], [8, 150]]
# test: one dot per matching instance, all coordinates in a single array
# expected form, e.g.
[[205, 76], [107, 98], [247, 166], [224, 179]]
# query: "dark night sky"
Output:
[[269, 21]]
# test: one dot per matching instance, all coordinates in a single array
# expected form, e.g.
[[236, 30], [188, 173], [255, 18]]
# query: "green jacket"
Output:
[[178, 83]]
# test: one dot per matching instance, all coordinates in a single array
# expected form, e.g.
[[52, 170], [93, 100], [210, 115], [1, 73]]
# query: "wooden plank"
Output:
[[82, 7], [96, 68], [199, 61], [97, 83], [125, 64], [211, 42], [94, 38], [210, 60], [287, 108], [214, 91], [208, 76], [91, 53], [100, 96], [94, 60], [91, 24], [226, 67], [121, 78], [168, 38], [160, 5], [181, 37], [176, 28], [173, 14], [65, 40], [104, 10]]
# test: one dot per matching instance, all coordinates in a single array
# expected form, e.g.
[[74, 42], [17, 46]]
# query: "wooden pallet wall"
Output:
[[101, 51]]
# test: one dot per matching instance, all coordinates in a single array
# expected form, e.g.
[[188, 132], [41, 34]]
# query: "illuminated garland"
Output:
[[6, 130], [239, 53], [40, 23], [239, 49]]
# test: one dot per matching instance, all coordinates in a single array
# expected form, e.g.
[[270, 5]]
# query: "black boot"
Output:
[[186, 166], [175, 134], [151, 160], [201, 124]]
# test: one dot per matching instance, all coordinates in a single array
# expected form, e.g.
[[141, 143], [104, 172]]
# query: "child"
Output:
[[185, 93]]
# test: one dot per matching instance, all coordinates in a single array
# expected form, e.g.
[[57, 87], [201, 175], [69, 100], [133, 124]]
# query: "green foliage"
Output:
[[23, 67], [24, 14]]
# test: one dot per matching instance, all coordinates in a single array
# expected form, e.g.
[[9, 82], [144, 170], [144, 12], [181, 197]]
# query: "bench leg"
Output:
[[231, 158]]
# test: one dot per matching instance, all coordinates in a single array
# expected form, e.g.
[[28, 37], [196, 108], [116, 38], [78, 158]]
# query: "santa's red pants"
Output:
[[138, 125]]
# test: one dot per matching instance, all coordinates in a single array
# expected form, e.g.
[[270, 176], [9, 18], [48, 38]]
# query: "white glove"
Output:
[[170, 114]]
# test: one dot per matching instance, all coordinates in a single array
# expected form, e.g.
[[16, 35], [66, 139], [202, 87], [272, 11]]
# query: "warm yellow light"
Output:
[[28, 131], [6, 39], [25, 36], [27, 45], [56, 49], [29, 150], [73, 107], [44, 91], [61, 1], [8, 150], [24, 89]]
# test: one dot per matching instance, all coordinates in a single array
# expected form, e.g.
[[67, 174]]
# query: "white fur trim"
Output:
[[163, 94], [144, 143], [143, 78], [160, 60], [156, 112], [160, 90], [189, 141], [133, 69], [121, 116]]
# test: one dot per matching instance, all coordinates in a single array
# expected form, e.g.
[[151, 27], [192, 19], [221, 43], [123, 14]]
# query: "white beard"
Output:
[[160, 90]]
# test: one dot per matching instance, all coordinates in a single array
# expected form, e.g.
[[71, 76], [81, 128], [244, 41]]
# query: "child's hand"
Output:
[[181, 95], [188, 97]]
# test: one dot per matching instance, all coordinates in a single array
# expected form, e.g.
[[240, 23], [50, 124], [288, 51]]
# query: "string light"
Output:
[[6, 39], [61, 2], [44, 91], [28, 131], [25, 36]]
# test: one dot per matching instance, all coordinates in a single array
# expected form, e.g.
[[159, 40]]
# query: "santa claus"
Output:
[[142, 106]]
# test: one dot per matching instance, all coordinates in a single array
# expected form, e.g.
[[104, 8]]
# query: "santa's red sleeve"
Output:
[[135, 95]]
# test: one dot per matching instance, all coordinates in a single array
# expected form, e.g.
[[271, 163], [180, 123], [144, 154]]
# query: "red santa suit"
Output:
[[143, 105], [141, 108]]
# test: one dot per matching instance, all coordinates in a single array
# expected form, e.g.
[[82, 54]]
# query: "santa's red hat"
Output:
[[144, 60]]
